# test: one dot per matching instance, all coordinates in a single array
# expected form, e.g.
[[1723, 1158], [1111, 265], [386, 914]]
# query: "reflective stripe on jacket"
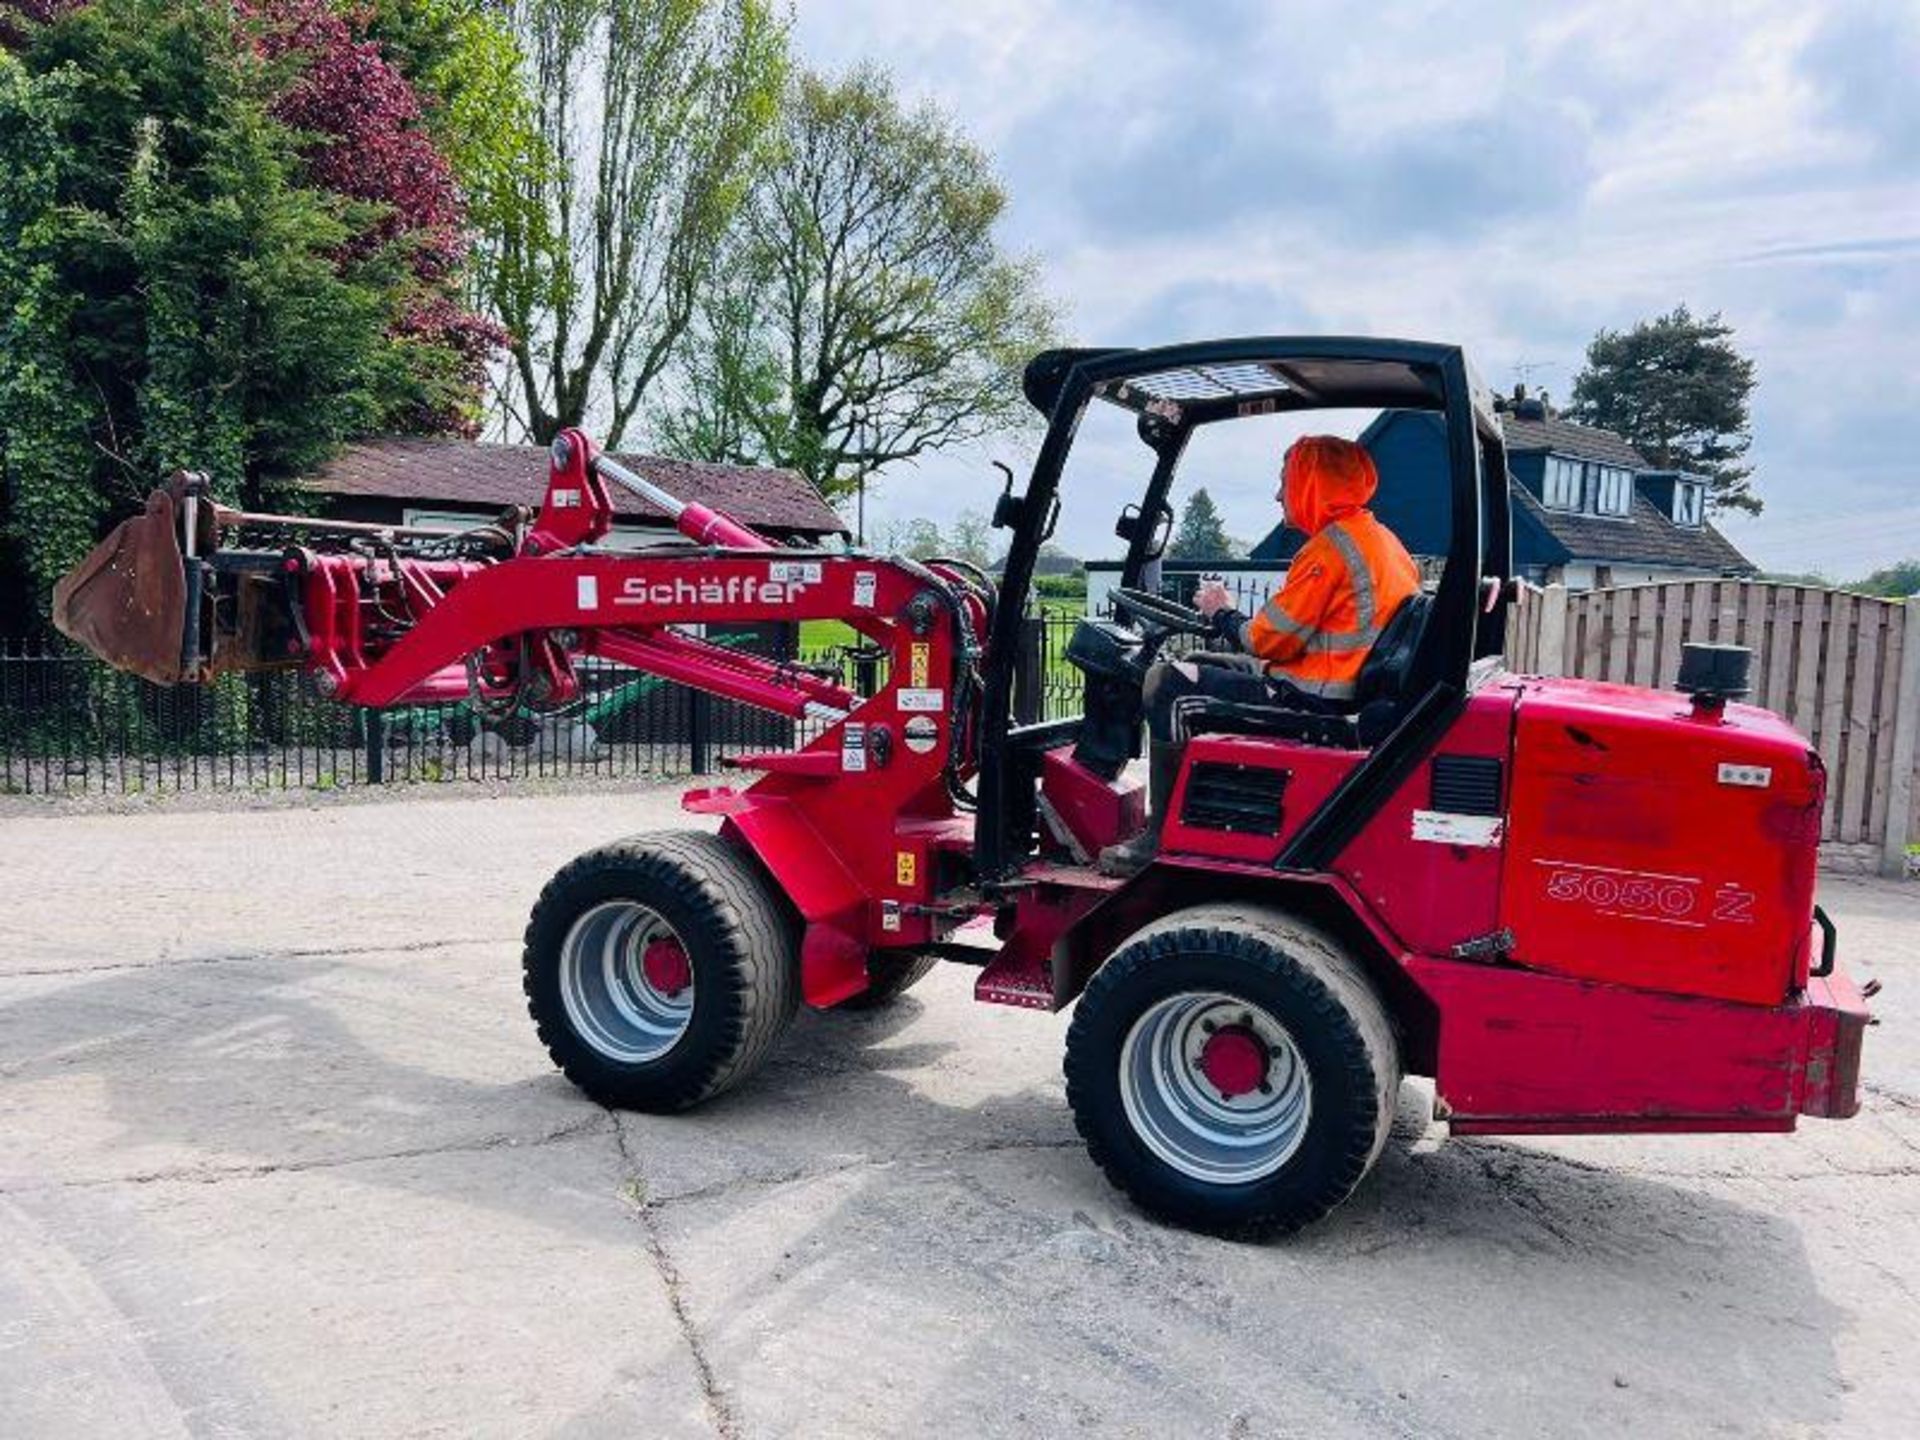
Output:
[[1340, 592], [1345, 582]]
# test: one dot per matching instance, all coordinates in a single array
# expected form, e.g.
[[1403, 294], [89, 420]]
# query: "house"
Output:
[[459, 483], [1588, 509]]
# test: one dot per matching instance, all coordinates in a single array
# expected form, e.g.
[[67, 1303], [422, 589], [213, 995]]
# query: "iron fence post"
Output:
[[699, 726], [376, 731]]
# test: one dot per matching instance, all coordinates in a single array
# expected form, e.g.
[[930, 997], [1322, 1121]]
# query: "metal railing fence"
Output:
[[71, 725]]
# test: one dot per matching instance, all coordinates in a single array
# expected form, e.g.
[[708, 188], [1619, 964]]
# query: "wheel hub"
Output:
[[1235, 1061], [1215, 1087], [626, 982], [665, 964]]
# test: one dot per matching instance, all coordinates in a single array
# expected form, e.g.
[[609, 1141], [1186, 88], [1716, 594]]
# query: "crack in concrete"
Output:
[[241, 957], [1502, 1170], [720, 1412], [219, 1174], [801, 1173], [1897, 1099], [646, 1209]]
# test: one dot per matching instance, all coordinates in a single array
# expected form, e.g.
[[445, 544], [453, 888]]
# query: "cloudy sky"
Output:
[[1511, 177]]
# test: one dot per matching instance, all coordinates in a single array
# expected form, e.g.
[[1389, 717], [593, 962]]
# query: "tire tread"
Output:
[[1340, 999], [724, 888]]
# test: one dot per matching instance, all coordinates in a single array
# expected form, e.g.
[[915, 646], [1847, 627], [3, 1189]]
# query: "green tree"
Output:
[[727, 382], [968, 539], [1202, 535], [870, 316], [465, 60], [1678, 390], [1896, 582], [651, 116], [171, 292], [51, 502], [917, 539]]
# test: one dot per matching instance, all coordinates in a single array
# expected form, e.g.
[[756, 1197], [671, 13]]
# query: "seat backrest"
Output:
[[1384, 676]]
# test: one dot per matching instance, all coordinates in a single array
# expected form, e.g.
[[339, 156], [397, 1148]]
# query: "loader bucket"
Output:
[[127, 601]]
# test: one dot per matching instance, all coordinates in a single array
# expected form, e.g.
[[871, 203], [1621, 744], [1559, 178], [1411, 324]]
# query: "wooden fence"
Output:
[[1843, 669]]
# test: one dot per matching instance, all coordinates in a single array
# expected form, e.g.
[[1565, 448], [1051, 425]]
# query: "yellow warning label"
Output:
[[906, 867], [919, 664]]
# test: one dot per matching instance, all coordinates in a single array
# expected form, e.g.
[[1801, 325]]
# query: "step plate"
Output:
[[1016, 982]]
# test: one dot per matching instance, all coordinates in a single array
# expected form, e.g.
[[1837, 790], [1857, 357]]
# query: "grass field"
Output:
[[818, 638], [818, 635]]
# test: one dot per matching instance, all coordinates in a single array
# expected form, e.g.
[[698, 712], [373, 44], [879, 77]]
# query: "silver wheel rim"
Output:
[[1190, 1123], [603, 984]]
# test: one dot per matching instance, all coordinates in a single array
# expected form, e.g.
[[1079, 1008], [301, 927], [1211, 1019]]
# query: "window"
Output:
[[448, 520], [1612, 490], [1560, 489], [1584, 486], [1689, 503]]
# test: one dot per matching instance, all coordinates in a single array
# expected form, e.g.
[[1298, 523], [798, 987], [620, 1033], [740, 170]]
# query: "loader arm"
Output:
[[383, 616], [503, 615]]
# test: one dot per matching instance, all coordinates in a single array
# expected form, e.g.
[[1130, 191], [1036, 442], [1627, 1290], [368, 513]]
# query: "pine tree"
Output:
[[1202, 535], [1676, 388]]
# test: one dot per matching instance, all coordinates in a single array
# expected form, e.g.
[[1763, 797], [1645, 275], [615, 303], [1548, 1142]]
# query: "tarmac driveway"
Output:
[[279, 1154]]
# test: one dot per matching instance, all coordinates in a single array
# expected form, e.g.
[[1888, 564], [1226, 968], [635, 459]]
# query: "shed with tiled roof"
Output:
[[427, 481]]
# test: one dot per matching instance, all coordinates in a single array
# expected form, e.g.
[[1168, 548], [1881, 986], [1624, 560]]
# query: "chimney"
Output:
[[1523, 406]]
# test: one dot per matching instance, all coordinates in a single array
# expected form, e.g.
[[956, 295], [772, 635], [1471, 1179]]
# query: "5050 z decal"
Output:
[[1682, 900]]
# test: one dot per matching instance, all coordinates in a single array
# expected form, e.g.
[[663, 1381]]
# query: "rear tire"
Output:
[[889, 976], [1283, 1118], [660, 970]]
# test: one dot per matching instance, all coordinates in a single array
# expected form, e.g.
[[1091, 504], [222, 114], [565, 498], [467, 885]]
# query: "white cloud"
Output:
[[1510, 177]]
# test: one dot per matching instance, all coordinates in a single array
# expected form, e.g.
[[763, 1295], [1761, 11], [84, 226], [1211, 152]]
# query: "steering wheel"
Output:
[[1157, 613]]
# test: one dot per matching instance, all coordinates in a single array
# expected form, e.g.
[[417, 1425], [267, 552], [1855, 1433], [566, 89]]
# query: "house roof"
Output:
[[465, 472], [1563, 437], [1644, 537]]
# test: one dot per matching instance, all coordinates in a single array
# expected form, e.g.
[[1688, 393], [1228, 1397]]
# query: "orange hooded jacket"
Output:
[[1345, 582]]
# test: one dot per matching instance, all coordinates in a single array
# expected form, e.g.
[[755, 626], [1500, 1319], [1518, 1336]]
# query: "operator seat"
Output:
[[1379, 694]]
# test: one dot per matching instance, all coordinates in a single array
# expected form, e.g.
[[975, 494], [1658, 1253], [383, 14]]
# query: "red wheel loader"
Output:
[[1576, 907]]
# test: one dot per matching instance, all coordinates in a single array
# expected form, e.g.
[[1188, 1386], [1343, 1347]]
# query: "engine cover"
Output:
[[1654, 843]]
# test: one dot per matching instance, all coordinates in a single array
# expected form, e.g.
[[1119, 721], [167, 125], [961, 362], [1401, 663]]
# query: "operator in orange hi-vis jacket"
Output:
[[1305, 648]]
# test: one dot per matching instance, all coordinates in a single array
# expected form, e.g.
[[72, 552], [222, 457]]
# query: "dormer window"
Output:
[[1612, 490], [1582, 486], [1690, 504], [1563, 485]]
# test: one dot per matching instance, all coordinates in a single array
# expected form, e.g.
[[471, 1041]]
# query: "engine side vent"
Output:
[[1242, 798], [1466, 784]]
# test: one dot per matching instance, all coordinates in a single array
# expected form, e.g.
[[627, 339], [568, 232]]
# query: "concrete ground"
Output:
[[279, 1154]]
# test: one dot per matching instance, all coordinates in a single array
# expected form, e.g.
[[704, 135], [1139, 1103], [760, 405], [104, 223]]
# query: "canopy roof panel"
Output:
[[1222, 379]]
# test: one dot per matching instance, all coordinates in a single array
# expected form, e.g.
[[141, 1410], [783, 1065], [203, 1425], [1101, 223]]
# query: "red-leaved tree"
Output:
[[17, 16], [369, 142], [366, 139]]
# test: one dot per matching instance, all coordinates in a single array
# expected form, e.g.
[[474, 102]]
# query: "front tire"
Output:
[[660, 970], [1233, 1071]]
